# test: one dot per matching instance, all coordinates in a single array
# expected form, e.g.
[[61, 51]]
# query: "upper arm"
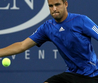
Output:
[[40, 35], [90, 28], [28, 43]]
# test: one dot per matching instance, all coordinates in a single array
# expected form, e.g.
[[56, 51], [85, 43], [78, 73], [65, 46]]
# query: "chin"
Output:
[[57, 19]]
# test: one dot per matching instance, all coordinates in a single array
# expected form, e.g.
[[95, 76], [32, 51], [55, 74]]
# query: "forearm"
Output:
[[11, 49], [17, 47]]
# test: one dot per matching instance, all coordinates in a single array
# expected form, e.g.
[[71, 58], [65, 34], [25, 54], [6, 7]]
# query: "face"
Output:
[[58, 9]]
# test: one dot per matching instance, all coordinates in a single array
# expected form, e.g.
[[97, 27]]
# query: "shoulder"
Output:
[[50, 22], [47, 24], [83, 18], [78, 17]]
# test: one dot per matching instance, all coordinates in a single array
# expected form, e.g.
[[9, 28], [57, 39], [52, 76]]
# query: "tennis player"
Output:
[[71, 33]]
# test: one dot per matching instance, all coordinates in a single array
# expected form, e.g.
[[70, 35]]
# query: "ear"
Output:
[[66, 3]]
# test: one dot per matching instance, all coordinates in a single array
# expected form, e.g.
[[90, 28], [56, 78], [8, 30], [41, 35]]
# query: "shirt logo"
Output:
[[95, 29], [61, 29]]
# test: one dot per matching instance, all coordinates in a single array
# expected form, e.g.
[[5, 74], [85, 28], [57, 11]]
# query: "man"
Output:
[[71, 33]]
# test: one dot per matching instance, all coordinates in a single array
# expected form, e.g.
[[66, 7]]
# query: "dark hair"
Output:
[[64, 0]]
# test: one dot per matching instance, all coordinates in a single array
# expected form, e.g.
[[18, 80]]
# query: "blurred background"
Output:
[[18, 20]]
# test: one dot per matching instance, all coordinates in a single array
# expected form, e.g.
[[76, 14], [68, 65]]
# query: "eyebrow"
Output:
[[56, 4]]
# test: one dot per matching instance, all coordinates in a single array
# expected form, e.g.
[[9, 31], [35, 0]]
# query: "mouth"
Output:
[[55, 13]]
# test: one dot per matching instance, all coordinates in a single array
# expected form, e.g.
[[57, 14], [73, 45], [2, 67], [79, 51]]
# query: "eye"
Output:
[[57, 4], [50, 5]]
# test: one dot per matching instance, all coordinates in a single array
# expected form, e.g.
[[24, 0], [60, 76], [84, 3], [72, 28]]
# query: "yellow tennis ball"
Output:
[[6, 62]]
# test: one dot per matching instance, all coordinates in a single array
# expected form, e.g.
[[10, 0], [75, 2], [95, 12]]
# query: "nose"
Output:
[[54, 8]]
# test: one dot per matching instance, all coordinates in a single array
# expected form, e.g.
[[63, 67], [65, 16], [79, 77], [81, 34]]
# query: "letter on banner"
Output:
[[5, 8], [29, 3], [41, 54], [55, 53], [14, 5], [27, 54]]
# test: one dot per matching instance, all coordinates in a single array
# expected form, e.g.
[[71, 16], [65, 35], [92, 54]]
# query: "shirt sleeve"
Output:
[[90, 28], [39, 36]]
